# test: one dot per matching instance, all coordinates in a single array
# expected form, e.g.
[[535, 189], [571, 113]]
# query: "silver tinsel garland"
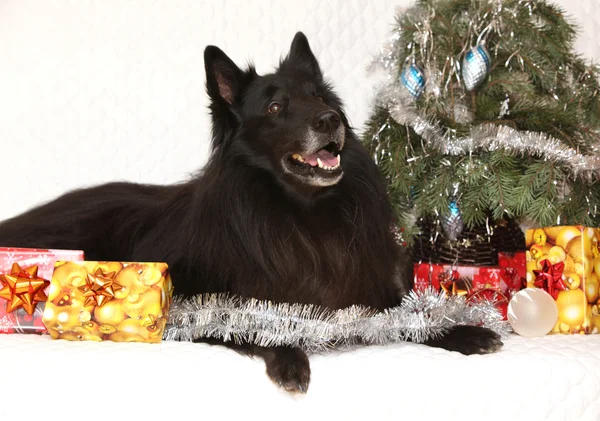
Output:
[[486, 137], [422, 315]]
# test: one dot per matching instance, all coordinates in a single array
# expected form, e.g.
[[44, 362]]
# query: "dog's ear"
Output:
[[302, 57], [224, 80]]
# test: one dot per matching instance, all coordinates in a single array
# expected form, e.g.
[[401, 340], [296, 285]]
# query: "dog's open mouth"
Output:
[[325, 160]]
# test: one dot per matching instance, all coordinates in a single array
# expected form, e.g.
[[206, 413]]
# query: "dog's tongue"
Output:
[[327, 158]]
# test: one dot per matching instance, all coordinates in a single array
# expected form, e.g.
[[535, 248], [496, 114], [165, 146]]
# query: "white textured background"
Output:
[[94, 91]]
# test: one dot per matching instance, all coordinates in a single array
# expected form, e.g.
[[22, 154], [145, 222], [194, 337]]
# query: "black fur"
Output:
[[247, 226]]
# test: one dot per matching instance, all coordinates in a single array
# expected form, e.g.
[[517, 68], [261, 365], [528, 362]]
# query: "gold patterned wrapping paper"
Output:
[[565, 261], [115, 301]]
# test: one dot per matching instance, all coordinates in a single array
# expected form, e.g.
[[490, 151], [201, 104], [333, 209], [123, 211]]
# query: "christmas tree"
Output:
[[488, 115]]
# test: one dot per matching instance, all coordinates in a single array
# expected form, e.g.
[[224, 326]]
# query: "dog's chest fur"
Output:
[[268, 248]]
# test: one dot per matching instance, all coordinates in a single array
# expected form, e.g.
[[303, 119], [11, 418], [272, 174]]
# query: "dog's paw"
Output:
[[468, 340], [290, 369]]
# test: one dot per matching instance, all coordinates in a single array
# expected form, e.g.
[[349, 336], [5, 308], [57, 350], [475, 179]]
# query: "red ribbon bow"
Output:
[[550, 278]]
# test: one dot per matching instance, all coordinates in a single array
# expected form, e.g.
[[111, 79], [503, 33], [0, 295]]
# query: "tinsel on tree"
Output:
[[488, 114]]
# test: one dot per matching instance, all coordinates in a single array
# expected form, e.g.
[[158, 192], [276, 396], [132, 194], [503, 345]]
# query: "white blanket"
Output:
[[554, 378]]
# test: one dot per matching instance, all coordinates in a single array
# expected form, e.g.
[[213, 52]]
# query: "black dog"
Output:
[[289, 208]]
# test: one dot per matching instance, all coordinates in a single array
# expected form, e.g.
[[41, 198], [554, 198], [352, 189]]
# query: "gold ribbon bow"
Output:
[[23, 289]]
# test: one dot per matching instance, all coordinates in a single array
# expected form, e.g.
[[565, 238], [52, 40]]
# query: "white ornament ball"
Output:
[[532, 312]]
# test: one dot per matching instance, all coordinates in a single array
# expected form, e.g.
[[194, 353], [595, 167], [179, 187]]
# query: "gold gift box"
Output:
[[575, 250], [115, 301]]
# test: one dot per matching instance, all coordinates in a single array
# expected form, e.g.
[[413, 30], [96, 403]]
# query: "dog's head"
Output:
[[289, 123]]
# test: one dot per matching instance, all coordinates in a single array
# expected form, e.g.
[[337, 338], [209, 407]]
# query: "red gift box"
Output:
[[492, 283], [434, 275], [25, 276], [518, 263]]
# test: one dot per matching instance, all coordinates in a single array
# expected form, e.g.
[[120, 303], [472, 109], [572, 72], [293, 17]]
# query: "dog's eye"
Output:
[[274, 107], [321, 99]]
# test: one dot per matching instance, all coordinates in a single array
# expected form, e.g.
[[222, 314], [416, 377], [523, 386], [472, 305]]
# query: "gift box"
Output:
[[115, 301], [439, 276], [25, 275], [492, 283], [516, 262], [565, 261]]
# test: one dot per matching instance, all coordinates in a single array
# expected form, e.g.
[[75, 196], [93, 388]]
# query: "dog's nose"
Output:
[[327, 121]]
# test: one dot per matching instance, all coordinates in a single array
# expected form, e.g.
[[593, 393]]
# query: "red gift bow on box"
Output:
[[550, 278], [23, 289]]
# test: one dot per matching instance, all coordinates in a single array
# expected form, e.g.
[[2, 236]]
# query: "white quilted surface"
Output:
[[555, 378], [92, 91]]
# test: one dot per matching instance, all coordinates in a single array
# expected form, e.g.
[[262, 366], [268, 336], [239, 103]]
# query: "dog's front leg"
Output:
[[288, 367], [468, 340]]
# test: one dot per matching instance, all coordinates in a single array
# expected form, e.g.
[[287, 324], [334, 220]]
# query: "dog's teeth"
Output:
[[298, 157], [339, 157], [320, 163]]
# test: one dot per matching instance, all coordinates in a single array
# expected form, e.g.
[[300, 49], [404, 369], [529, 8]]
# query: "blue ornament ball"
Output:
[[413, 79], [476, 66]]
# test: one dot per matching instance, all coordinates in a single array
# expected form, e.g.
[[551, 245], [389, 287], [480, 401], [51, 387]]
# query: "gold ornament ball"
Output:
[[150, 276], [565, 328], [110, 313], [552, 233], [571, 307], [539, 237], [92, 328], [566, 234], [556, 255], [63, 318], [591, 288], [129, 279], [579, 249], [143, 304], [573, 280], [133, 326], [538, 251], [69, 275]]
